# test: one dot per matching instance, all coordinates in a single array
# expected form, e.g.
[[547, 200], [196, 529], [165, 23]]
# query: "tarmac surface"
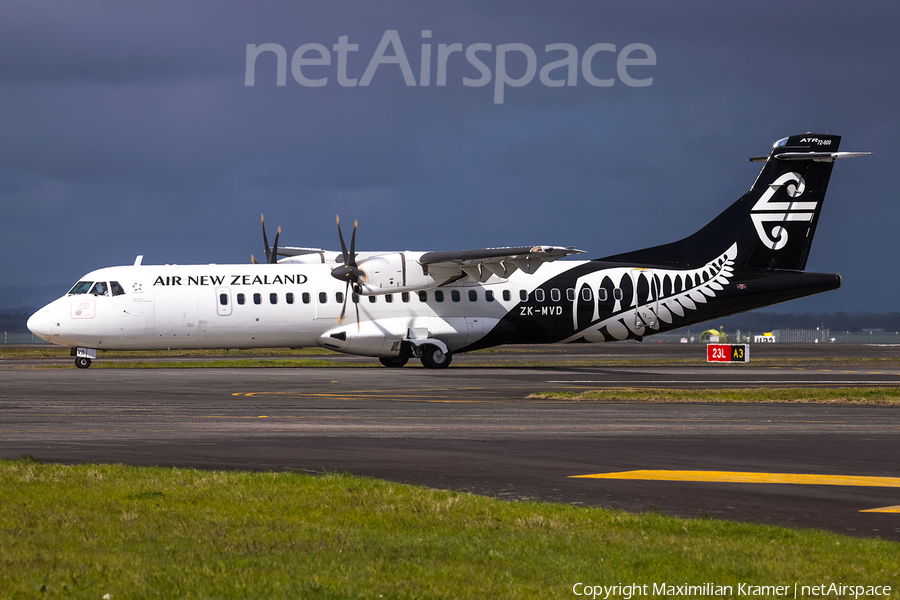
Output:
[[474, 428]]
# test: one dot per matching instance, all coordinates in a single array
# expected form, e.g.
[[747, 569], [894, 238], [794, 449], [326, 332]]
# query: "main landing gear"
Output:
[[432, 357], [394, 362], [82, 362], [435, 358]]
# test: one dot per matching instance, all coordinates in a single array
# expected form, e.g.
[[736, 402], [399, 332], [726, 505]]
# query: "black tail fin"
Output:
[[774, 223]]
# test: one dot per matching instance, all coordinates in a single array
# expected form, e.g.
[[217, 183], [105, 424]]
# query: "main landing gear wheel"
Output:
[[82, 362], [435, 358], [393, 362]]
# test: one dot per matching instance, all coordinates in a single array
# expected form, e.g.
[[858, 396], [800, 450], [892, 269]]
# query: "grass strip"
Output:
[[88, 531], [51, 351], [845, 395]]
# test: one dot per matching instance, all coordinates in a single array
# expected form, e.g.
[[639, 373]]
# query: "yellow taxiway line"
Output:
[[743, 477], [884, 509]]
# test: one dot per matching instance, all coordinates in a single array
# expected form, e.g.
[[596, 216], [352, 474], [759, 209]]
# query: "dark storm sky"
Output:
[[128, 129]]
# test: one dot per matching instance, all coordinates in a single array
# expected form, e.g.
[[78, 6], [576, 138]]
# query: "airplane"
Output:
[[432, 305]]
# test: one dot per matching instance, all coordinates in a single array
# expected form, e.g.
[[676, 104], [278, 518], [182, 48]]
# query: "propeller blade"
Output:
[[356, 305], [344, 307], [341, 236], [349, 271], [274, 257], [253, 260], [352, 262], [262, 220]]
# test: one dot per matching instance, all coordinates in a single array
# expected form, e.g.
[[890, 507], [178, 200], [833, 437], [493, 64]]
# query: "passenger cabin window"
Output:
[[257, 298], [454, 295], [506, 296], [617, 293], [116, 288], [388, 297], [423, 296], [489, 295], [223, 299], [100, 289], [570, 294], [81, 287], [273, 298], [554, 294], [339, 297], [323, 298], [586, 294], [305, 297], [601, 295], [523, 295], [438, 295], [240, 299], [539, 295], [373, 299], [473, 295], [405, 296], [289, 297]]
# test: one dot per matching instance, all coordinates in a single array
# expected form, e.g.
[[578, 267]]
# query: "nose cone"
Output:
[[39, 324]]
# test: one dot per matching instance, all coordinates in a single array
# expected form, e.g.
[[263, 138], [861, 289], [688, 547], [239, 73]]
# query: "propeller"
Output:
[[348, 272], [271, 253]]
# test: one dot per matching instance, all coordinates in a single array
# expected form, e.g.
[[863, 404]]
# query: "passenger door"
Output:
[[646, 298]]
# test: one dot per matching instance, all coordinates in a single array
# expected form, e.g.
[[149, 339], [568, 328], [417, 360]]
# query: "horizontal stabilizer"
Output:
[[819, 156]]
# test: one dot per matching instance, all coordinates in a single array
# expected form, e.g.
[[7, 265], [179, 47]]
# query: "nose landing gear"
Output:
[[83, 356]]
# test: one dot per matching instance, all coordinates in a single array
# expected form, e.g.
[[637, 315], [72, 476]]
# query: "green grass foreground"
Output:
[[884, 396], [86, 531]]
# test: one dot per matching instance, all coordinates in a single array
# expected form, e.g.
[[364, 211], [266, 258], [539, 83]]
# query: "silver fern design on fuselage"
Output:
[[659, 296]]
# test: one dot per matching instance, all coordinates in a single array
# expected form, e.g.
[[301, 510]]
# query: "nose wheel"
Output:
[[82, 362]]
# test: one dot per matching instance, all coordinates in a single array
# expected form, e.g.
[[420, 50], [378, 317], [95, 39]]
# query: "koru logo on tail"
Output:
[[766, 211]]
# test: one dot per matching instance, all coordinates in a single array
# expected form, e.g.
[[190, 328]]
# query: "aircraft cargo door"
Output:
[[176, 317]]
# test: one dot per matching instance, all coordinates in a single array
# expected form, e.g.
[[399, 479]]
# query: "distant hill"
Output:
[[14, 297], [13, 320], [839, 321]]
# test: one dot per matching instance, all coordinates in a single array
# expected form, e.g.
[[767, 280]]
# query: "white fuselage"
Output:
[[273, 305]]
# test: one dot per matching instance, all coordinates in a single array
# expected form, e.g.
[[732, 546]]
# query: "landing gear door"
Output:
[[646, 300]]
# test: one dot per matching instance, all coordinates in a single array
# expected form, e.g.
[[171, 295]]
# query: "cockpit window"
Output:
[[81, 287], [116, 288], [100, 289]]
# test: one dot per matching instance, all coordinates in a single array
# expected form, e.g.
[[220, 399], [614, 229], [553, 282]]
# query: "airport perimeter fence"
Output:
[[12, 337], [785, 336]]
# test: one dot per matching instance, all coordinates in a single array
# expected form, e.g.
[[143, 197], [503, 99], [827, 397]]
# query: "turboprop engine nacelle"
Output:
[[395, 272]]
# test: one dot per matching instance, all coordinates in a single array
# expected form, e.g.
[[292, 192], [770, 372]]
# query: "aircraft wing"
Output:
[[293, 251], [502, 262]]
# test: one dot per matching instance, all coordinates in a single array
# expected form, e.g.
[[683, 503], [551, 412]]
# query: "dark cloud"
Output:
[[128, 130]]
